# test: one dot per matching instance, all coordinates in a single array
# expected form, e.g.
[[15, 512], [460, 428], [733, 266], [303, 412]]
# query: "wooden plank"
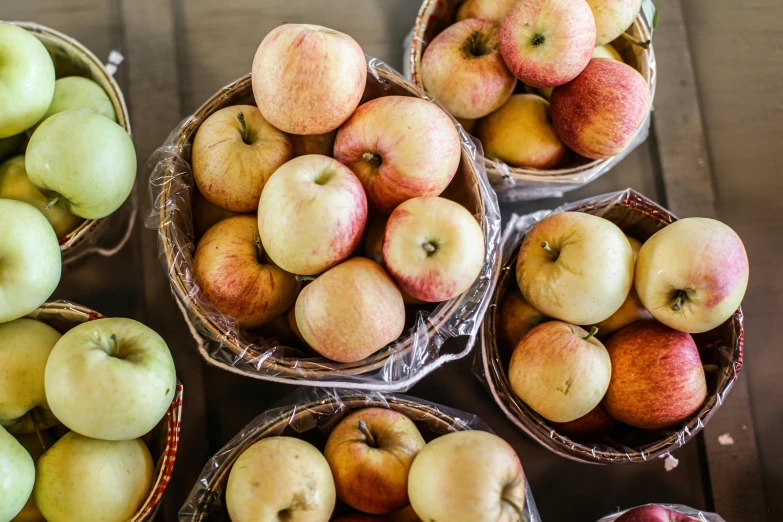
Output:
[[735, 472]]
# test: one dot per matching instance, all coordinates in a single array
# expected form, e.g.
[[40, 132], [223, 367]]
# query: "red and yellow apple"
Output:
[[515, 319], [400, 148], [462, 68], [613, 17], [593, 425], [206, 214], [607, 51], [492, 10]]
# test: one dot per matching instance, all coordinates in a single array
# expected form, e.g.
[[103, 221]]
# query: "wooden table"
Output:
[[714, 150]]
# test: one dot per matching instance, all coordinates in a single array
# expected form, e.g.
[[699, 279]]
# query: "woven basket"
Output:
[[639, 217], [71, 58], [514, 183], [163, 441], [312, 419], [269, 361]]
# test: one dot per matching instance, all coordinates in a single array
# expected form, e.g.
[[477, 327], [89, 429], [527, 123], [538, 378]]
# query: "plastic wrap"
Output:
[[108, 235], [722, 347], [701, 516], [517, 184], [311, 414], [260, 355], [162, 441]]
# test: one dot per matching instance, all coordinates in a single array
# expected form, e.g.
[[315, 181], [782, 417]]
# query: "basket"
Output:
[[723, 347], [311, 415], [163, 441], [106, 235], [395, 367], [513, 183]]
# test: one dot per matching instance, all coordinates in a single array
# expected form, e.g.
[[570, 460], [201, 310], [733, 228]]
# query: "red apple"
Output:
[[547, 43], [462, 68], [515, 319], [593, 425], [400, 148], [236, 277], [370, 452], [599, 112], [308, 79], [360, 517], [351, 311], [657, 376], [492, 10], [653, 513]]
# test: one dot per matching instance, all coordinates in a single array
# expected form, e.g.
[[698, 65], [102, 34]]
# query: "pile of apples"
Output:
[[378, 464], [73, 411], [318, 169], [69, 161], [587, 99], [638, 363]]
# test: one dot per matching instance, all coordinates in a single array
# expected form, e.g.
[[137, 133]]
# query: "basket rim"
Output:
[[640, 25], [289, 369], [531, 423]]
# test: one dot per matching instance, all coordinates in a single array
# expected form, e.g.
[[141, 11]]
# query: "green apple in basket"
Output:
[[27, 84], [82, 160], [17, 475], [75, 92]]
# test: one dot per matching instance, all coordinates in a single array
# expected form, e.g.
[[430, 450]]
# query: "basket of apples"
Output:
[[557, 92], [90, 412], [65, 145], [662, 513], [615, 331], [312, 211], [354, 457]]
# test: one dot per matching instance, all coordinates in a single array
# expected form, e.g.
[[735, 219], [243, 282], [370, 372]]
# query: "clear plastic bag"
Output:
[[722, 347], [701, 516], [394, 368], [311, 414], [520, 184]]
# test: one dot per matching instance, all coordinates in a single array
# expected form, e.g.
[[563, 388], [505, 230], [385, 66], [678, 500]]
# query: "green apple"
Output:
[[110, 379], [25, 345], [92, 480], [84, 159], [11, 145], [30, 261], [75, 92], [35, 444], [14, 184], [17, 475], [27, 84]]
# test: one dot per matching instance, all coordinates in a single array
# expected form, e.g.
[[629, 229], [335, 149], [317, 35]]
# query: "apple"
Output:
[[467, 124], [462, 68], [591, 426], [467, 476], [28, 80], [351, 311], [11, 145], [575, 267], [35, 444], [434, 248], [360, 517], [598, 113], [322, 144], [653, 513], [235, 151], [205, 214], [657, 376], [692, 274], [308, 79], [515, 319], [311, 214], [280, 478], [607, 51], [547, 43], [613, 17], [492, 10], [630, 311], [290, 319], [521, 134], [93, 480], [110, 379], [400, 148], [370, 453], [75, 92], [17, 471], [31, 262], [83, 159], [560, 370], [235, 275], [25, 345], [14, 184]]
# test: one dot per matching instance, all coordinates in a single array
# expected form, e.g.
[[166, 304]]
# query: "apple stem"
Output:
[[545, 246], [52, 202], [711, 368], [593, 331], [299, 277], [259, 248], [677, 305], [372, 158], [243, 127], [429, 247], [362, 426], [643, 45], [40, 437]]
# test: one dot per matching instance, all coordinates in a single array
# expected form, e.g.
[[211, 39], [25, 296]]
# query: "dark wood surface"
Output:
[[715, 145]]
